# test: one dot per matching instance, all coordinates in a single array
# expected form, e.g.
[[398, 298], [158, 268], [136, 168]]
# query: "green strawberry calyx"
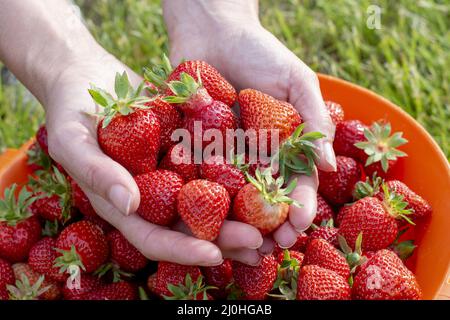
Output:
[[51, 183], [272, 189], [157, 74], [23, 290], [368, 188], [128, 99], [68, 258], [189, 290], [238, 161], [396, 205], [381, 146], [287, 276], [187, 89], [355, 257], [297, 154], [36, 156], [114, 269], [13, 210]]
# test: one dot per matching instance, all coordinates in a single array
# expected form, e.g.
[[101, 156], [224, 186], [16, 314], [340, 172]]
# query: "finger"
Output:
[[267, 247], [285, 235], [156, 242], [247, 256], [75, 147], [305, 95], [306, 194]]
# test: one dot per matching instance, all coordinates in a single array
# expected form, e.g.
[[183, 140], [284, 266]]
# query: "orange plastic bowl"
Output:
[[425, 170]]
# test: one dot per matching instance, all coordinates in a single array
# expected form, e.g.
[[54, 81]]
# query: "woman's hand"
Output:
[[228, 35]]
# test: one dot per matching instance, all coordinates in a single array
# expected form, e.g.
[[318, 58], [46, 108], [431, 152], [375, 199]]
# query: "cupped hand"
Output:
[[251, 57], [111, 189]]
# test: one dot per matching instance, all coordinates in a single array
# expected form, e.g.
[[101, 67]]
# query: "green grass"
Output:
[[406, 61]]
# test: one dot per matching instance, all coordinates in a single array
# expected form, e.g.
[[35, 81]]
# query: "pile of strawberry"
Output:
[[53, 245]]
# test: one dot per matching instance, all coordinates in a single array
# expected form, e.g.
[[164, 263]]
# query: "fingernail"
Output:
[[121, 198], [211, 256], [302, 229], [286, 247], [330, 158], [258, 245], [265, 253]]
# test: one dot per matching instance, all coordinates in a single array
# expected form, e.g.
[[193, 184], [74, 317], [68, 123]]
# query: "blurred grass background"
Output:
[[407, 60]]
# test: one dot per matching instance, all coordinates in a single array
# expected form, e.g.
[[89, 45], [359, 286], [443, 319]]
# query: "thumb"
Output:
[[305, 95], [75, 147]]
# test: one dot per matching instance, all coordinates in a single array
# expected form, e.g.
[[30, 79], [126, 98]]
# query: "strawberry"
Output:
[[324, 211], [19, 229], [317, 283], [129, 132], [114, 291], [281, 256], [80, 200], [77, 291], [42, 138], [336, 187], [376, 219], [151, 282], [220, 276], [180, 159], [101, 223], [216, 169], [169, 119], [341, 213], [200, 108], [261, 111], [124, 254], [31, 285], [335, 110], [348, 133], [159, 191], [54, 197], [4, 293], [326, 232], [323, 254], [173, 274], [420, 207], [42, 258], [255, 282], [385, 277], [83, 244], [263, 203], [6, 274], [203, 206]]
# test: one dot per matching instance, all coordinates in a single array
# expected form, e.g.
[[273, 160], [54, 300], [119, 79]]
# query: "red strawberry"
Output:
[[347, 134], [377, 220], [220, 276], [335, 110], [19, 229], [321, 253], [263, 203], [151, 282], [31, 285], [336, 187], [327, 232], [173, 274], [200, 108], [42, 138], [324, 211], [341, 214], [80, 200], [77, 291], [385, 277], [261, 111], [82, 243], [317, 283], [216, 85], [180, 159], [203, 206], [114, 291], [4, 293], [292, 255], [102, 224], [129, 132], [255, 282], [420, 207], [216, 169], [169, 118], [127, 257], [42, 258], [159, 191], [6, 274]]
